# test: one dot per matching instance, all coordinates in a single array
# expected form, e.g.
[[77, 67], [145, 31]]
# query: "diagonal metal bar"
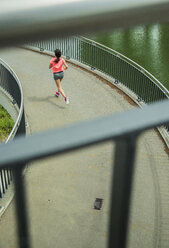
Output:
[[23, 150], [35, 20], [83, 134], [121, 191]]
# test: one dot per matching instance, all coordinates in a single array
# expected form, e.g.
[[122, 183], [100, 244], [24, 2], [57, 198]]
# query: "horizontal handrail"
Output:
[[83, 134], [37, 20]]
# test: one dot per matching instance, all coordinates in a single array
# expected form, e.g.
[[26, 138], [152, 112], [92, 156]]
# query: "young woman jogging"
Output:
[[59, 65]]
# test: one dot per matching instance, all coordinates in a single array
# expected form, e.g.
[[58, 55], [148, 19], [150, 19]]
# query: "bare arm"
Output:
[[65, 65], [50, 66]]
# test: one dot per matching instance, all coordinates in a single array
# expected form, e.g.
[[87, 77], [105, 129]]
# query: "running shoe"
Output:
[[66, 100], [57, 94]]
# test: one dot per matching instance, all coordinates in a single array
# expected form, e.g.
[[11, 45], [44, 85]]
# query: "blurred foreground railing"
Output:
[[37, 20]]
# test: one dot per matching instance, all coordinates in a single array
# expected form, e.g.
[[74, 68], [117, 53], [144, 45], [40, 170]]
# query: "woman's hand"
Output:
[[65, 66]]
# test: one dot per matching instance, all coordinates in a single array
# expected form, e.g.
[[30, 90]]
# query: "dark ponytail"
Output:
[[58, 55]]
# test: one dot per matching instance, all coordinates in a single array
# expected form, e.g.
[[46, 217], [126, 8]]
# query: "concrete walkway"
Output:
[[61, 191]]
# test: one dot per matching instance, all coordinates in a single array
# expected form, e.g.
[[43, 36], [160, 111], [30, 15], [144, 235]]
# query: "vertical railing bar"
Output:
[[5, 179], [21, 207], [121, 191], [79, 51], [78, 45], [8, 176], [73, 47], [1, 194], [2, 181], [154, 93]]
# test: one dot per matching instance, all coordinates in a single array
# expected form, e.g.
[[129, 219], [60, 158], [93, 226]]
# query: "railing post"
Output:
[[21, 213], [121, 191]]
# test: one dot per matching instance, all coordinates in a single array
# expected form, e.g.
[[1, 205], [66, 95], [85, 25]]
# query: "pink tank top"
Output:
[[57, 67]]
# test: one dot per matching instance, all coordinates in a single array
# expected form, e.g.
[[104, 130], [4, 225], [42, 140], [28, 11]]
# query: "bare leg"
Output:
[[59, 86]]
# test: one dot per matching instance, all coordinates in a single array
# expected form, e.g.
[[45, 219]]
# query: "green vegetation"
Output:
[[6, 124]]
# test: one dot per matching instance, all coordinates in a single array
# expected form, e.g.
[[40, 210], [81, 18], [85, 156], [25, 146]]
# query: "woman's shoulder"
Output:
[[62, 59], [52, 60]]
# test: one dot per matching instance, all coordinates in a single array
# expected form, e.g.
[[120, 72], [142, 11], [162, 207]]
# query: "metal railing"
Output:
[[10, 85]]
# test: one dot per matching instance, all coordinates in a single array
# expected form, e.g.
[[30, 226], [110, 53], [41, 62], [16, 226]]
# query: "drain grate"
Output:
[[98, 203]]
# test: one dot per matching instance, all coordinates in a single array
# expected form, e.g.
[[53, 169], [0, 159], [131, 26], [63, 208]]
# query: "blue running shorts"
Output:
[[58, 75]]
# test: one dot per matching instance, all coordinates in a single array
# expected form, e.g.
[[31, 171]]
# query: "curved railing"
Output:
[[147, 88], [10, 86]]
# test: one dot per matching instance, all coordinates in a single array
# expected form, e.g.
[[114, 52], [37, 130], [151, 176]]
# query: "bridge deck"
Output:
[[62, 190]]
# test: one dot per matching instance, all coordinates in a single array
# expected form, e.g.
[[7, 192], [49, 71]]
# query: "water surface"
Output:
[[146, 45]]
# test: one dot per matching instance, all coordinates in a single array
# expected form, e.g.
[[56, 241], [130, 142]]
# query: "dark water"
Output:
[[147, 46]]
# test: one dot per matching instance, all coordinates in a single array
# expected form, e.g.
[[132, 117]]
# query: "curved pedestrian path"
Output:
[[62, 190]]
